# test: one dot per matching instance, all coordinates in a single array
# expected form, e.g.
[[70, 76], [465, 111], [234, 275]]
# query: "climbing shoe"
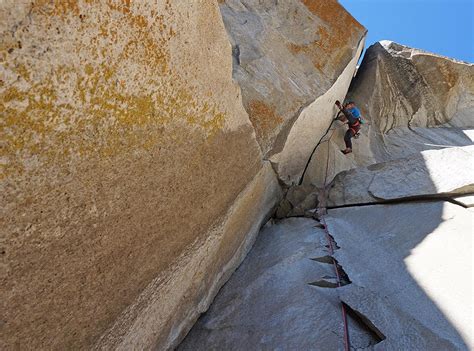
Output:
[[345, 152]]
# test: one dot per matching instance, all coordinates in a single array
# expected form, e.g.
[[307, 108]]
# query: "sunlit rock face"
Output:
[[436, 173], [400, 222], [406, 271], [401, 92], [145, 143], [398, 86], [411, 266], [286, 55], [132, 180], [135, 147]]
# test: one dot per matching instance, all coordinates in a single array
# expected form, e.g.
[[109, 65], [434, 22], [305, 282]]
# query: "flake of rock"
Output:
[[434, 173], [466, 200], [290, 73]]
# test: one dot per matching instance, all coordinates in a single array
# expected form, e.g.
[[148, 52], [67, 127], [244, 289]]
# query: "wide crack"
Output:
[[331, 281], [365, 324], [341, 278], [421, 198], [356, 320]]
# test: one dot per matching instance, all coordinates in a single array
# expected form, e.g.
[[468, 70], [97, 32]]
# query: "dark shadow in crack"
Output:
[[268, 304], [365, 323]]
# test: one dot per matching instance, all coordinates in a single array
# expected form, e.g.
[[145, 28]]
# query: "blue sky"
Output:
[[445, 27]]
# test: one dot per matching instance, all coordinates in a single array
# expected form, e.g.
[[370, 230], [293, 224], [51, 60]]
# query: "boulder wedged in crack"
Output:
[[429, 174], [298, 201], [417, 176]]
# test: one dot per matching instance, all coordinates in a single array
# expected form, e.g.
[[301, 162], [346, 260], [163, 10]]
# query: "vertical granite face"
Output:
[[311, 126], [411, 101], [286, 55], [125, 152], [398, 86]]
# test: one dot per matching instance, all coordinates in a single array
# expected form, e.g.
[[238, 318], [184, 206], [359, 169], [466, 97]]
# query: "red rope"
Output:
[[331, 249]]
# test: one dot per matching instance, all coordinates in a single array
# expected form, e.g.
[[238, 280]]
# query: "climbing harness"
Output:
[[355, 127]]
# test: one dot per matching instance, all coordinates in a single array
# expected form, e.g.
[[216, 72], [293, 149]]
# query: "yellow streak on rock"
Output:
[[104, 117]]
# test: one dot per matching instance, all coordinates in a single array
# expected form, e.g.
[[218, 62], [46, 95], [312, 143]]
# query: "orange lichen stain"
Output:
[[23, 71], [103, 114], [331, 12], [58, 8], [107, 122], [450, 76], [119, 5], [143, 47], [140, 21], [263, 118], [89, 69], [342, 26], [103, 29]]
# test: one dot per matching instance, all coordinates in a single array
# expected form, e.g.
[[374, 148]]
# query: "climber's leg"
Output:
[[347, 139]]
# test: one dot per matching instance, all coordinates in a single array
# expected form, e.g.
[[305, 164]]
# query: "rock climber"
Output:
[[351, 115]]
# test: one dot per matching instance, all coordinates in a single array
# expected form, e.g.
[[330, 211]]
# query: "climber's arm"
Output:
[[340, 117], [345, 116]]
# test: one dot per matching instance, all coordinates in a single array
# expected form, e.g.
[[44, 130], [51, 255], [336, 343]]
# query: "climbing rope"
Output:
[[347, 345], [322, 213], [317, 145]]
